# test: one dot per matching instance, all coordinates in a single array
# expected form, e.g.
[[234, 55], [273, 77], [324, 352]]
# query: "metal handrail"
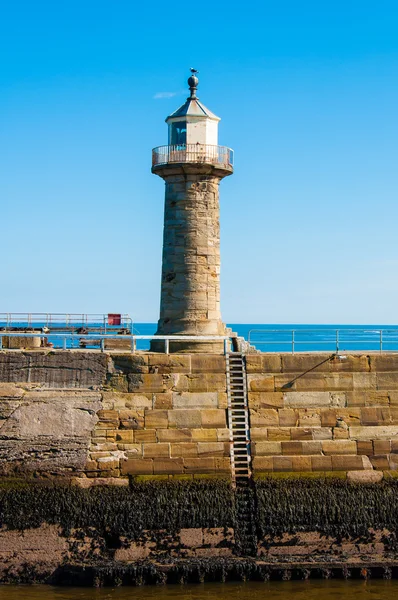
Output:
[[193, 153], [335, 337], [55, 321], [131, 337]]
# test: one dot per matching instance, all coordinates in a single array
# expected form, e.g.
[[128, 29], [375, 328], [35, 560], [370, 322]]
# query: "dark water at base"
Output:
[[300, 590]]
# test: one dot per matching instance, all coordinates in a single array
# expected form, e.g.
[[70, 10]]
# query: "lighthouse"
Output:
[[192, 166]]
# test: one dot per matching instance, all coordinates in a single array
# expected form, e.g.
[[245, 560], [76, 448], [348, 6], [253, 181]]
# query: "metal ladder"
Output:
[[238, 418]]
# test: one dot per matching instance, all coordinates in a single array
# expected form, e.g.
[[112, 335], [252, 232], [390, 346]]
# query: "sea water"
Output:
[[275, 590], [304, 338]]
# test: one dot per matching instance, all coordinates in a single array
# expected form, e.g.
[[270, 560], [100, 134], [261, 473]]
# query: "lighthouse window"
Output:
[[178, 134]]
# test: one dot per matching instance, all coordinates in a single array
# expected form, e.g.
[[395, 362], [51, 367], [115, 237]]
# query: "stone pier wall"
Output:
[[97, 415], [94, 415], [311, 414]]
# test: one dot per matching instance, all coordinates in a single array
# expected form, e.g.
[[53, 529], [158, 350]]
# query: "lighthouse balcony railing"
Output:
[[193, 153]]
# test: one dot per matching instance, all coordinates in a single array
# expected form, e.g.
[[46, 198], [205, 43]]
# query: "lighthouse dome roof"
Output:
[[192, 107]]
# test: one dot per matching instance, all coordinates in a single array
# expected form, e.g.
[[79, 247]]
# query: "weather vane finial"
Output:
[[193, 82]]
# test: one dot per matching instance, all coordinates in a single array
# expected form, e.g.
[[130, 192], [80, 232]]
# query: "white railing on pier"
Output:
[[57, 322], [324, 339], [91, 341]]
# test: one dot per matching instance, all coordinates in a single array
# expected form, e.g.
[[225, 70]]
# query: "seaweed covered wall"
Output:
[[324, 413], [176, 531]]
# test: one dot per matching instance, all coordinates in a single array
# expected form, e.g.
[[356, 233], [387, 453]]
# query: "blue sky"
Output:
[[308, 96]]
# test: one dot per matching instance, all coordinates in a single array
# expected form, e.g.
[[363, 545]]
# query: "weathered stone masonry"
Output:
[[190, 300], [92, 415], [341, 416]]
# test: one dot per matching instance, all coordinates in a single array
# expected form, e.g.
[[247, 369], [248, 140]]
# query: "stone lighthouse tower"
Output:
[[192, 166]]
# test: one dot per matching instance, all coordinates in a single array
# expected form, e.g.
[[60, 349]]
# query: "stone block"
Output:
[[307, 399], [222, 464], [268, 448], [265, 399], [387, 381], [364, 381], [210, 449], [168, 466], [108, 415], [263, 463], [301, 433], [311, 448], [380, 462], [301, 463], [91, 465], [288, 417], [309, 417], [300, 363], [204, 435], [144, 435], [152, 382], [339, 433], [260, 383], [328, 417], [10, 391], [131, 419], [133, 466], [191, 538], [108, 463], [365, 447], [331, 447], [394, 446], [200, 382], [155, 450], [349, 416], [208, 363], [195, 399], [393, 416], [214, 418], [367, 476], [184, 450], [352, 363], [347, 463], [384, 432], [292, 448], [325, 382], [253, 363], [282, 463], [285, 382], [384, 362], [174, 435], [321, 463], [157, 419], [393, 398], [279, 434], [163, 401], [222, 400], [322, 433], [184, 419], [264, 417], [131, 450], [223, 435], [199, 465], [375, 415], [382, 447], [125, 436], [260, 433], [357, 398], [169, 363]]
